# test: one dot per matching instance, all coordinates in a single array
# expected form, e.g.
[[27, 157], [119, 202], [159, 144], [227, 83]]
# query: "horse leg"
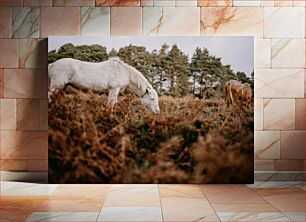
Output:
[[113, 97]]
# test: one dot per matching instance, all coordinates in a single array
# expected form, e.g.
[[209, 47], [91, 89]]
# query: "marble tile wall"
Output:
[[278, 27]]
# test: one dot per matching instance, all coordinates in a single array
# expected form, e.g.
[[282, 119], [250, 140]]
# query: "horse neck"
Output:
[[138, 82]]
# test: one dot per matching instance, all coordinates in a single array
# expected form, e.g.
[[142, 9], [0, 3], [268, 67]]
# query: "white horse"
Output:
[[113, 75]]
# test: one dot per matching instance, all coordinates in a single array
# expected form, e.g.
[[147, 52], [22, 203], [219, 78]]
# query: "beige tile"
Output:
[[27, 114], [180, 190], [51, 17], [162, 3], [252, 216], [33, 53], [24, 145], [186, 3], [279, 83], [93, 191], [1, 83], [145, 195], [232, 21], [43, 114], [25, 22], [219, 3], [146, 2], [73, 2], [299, 3], [187, 209], [159, 21], [37, 165], [117, 2], [95, 21], [289, 165], [283, 50], [279, 114], [13, 165], [8, 53], [278, 19], [300, 114], [8, 114], [304, 83], [262, 49], [25, 83], [279, 3], [246, 3], [126, 21], [5, 22], [267, 3], [258, 114], [292, 144], [263, 207], [230, 194], [267, 145], [264, 165], [37, 2], [4, 3]]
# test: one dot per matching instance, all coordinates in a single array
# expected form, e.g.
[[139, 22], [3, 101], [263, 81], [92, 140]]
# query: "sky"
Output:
[[237, 51]]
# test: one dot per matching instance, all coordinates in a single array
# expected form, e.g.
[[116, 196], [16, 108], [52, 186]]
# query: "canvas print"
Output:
[[151, 109]]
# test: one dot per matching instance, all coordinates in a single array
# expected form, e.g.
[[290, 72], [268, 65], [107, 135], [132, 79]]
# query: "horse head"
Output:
[[150, 100]]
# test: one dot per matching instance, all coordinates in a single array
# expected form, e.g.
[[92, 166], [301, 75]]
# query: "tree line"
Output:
[[168, 69]]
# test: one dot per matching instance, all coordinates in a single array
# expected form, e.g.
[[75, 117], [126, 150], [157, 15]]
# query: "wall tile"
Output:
[[5, 22], [8, 53], [284, 50], [13, 165], [262, 49], [264, 165], [220, 3], [146, 2], [159, 21], [292, 144], [232, 21], [8, 114], [43, 114], [161, 3], [266, 2], [289, 165], [278, 22], [186, 3], [33, 53], [126, 20], [95, 21], [304, 83], [279, 3], [117, 2], [299, 3], [24, 145], [51, 17], [267, 145], [277, 83], [246, 3], [258, 114], [25, 83], [25, 22], [28, 114], [279, 114], [37, 2], [74, 2], [300, 114], [10, 3], [37, 165], [1, 83]]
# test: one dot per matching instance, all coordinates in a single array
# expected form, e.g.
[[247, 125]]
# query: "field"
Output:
[[191, 141]]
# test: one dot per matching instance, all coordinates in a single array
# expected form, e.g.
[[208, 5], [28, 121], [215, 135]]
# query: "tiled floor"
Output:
[[262, 201]]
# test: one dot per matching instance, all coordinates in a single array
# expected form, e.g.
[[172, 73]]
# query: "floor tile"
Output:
[[230, 194], [144, 195], [187, 209], [180, 190], [276, 184], [296, 216], [18, 208], [130, 214], [82, 190], [274, 216], [63, 216], [264, 207], [9, 188]]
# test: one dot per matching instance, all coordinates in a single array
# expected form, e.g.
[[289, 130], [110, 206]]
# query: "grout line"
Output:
[[161, 208]]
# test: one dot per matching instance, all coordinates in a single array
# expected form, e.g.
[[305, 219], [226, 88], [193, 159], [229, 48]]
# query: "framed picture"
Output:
[[151, 109]]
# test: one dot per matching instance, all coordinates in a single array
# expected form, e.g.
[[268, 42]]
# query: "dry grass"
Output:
[[191, 141]]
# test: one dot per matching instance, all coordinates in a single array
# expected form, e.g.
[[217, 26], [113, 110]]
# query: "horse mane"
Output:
[[137, 78]]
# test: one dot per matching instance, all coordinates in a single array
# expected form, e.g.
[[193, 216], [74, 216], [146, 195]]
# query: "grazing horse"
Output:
[[112, 75], [237, 92]]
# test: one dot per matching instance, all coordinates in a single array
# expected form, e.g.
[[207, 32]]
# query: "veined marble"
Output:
[[283, 3], [32, 53], [146, 2], [25, 23], [262, 53], [130, 214], [246, 3], [9, 188], [284, 22], [8, 114], [299, 3], [163, 3], [207, 3], [171, 21], [63, 216], [5, 22], [288, 53], [260, 165], [295, 216], [253, 216], [267, 3], [186, 3], [180, 190], [95, 21], [277, 83], [267, 145], [276, 184], [293, 145], [279, 176], [232, 21], [258, 114]]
